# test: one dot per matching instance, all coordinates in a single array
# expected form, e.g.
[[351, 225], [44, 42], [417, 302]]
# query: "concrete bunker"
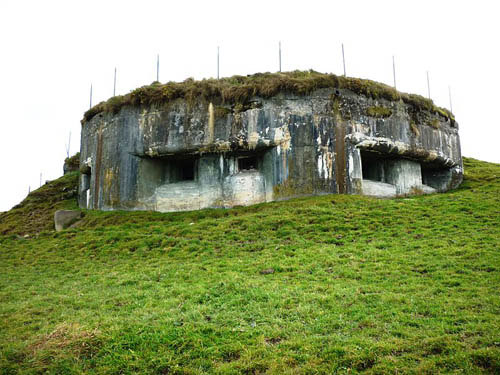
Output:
[[199, 152]]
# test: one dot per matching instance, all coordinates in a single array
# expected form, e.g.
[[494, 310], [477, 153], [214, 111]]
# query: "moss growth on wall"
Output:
[[73, 162], [288, 189], [414, 129], [242, 107], [220, 112], [379, 112], [241, 89], [434, 123], [445, 113]]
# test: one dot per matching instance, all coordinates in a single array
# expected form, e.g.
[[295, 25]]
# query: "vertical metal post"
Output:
[[40, 179], [114, 84], [280, 56], [68, 146], [449, 93], [158, 68], [90, 95], [217, 62], [29, 189], [428, 86], [343, 58], [394, 70]]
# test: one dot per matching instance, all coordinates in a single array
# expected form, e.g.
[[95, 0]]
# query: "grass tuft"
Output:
[[73, 162], [379, 112], [414, 128]]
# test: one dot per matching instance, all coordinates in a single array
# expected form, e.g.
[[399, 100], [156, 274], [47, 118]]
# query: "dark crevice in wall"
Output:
[[182, 170], [247, 163], [436, 176], [373, 166]]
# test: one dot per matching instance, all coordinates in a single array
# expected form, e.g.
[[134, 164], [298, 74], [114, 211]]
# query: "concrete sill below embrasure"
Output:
[[383, 190]]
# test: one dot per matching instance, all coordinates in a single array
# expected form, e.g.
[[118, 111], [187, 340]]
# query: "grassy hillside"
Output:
[[36, 213], [325, 285]]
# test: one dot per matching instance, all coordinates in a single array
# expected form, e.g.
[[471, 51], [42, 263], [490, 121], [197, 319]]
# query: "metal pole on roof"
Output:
[[114, 84], [217, 62], [428, 86], [68, 145], [449, 93], [158, 68], [343, 58], [90, 95], [394, 70], [280, 56]]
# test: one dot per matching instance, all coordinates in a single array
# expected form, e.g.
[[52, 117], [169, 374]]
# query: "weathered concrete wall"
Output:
[[404, 174], [186, 156]]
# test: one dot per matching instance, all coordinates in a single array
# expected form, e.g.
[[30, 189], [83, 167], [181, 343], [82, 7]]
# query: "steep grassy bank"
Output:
[[36, 212], [333, 284]]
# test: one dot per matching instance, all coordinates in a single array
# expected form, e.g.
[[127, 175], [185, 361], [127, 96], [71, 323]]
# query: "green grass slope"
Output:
[[335, 284], [36, 213]]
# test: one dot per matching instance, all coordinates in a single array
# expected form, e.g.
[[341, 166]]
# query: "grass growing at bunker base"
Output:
[[239, 90], [351, 285]]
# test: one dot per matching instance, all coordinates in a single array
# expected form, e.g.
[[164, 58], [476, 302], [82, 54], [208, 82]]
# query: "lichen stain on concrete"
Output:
[[97, 168], [110, 188], [282, 137], [211, 124], [340, 161], [108, 178], [325, 163], [252, 140]]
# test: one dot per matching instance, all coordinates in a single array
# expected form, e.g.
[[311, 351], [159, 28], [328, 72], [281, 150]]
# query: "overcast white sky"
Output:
[[51, 51]]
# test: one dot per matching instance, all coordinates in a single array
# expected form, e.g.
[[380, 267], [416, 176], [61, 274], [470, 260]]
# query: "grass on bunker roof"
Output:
[[352, 285], [241, 89]]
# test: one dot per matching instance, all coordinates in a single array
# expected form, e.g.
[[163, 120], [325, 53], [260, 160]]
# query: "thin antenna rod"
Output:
[[217, 62], [449, 93], [394, 70], [90, 95], [428, 86], [158, 68], [343, 58], [68, 146], [114, 84], [280, 55]]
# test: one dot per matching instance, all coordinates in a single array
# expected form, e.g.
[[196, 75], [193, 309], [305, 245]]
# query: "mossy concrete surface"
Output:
[[239, 90], [336, 284]]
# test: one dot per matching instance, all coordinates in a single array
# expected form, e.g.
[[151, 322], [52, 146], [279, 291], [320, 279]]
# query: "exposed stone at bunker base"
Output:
[[183, 157], [65, 218]]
